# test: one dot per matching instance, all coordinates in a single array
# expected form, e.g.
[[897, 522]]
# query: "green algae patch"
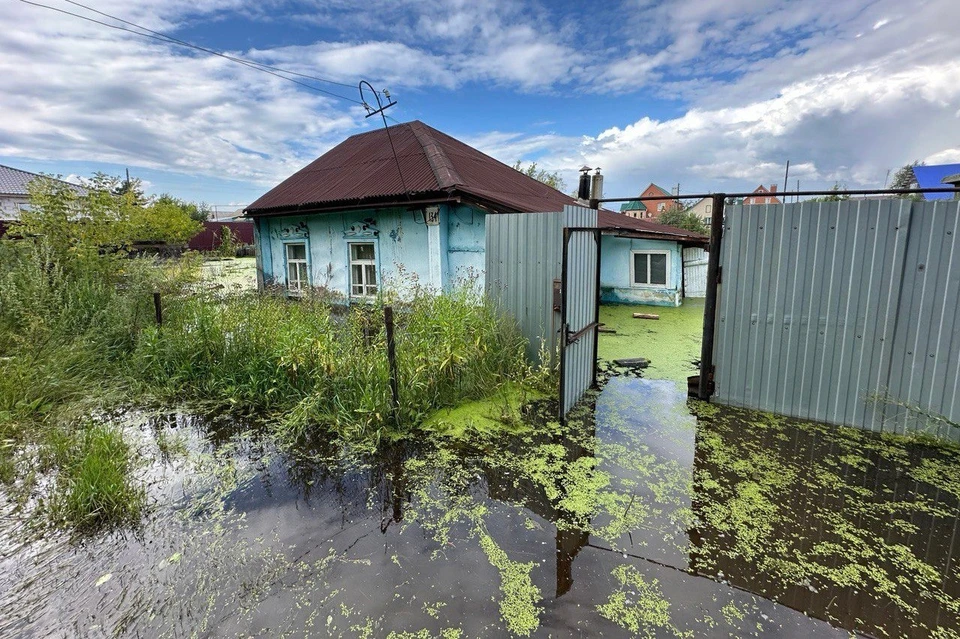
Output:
[[638, 605], [671, 344], [500, 412], [518, 605]]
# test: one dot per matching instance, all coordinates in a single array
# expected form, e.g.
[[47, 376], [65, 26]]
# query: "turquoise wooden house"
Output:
[[360, 218]]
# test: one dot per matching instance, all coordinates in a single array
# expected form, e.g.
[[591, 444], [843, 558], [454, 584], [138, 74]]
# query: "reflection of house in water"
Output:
[[878, 501], [570, 538]]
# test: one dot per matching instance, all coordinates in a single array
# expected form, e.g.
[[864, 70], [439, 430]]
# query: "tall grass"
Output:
[[317, 365], [77, 335]]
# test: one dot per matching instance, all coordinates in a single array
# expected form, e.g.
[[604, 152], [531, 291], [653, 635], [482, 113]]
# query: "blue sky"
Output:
[[710, 94]]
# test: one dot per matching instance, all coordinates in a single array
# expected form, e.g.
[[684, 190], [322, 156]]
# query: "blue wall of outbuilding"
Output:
[[615, 284]]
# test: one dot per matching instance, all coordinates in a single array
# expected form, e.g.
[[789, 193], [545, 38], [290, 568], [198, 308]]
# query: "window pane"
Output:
[[302, 272], [640, 268], [371, 274], [356, 276], [658, 269], [362, 251], [356, 289], [292, 275], [296, 251]]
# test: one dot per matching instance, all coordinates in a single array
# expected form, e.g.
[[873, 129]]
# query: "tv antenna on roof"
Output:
[[381, 107]]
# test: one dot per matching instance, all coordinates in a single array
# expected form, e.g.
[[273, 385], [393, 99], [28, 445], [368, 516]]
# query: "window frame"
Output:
[[667, 271], [287, 261], [375, 263]]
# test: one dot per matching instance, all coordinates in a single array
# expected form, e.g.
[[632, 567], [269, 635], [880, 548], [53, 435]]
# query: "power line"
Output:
[[206, 50], [154, 35]]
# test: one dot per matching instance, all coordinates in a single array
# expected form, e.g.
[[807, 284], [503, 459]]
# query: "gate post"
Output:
[[705, 388]]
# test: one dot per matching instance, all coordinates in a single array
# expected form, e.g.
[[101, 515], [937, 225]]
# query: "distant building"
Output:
[[954, 181], [703, 209], [935, 176], [15, 194], [635, 209], [663, 201], [763, 195]]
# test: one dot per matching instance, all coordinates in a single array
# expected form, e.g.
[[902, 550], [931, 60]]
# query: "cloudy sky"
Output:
[[710, 94]]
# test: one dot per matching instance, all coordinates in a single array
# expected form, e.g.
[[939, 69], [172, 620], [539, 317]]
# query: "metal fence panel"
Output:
[[694, 272], [842, 312], [581, 306], [523, 252]]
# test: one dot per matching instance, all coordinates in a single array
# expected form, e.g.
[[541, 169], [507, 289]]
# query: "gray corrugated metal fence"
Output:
[[579, 356], [842, 312], [523, 260]]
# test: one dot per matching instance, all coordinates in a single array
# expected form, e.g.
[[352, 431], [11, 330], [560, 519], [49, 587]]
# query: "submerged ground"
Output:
[[645, 515]]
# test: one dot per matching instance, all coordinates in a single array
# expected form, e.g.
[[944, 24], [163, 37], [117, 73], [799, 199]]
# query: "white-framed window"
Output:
[[661, 207], [650, 268], [707, 220], [363, 269], [298, 273]]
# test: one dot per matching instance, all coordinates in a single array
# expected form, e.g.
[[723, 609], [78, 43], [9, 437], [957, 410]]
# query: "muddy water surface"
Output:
[[637, 518]]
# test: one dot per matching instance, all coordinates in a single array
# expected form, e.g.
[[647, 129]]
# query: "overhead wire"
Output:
[[155, 35]]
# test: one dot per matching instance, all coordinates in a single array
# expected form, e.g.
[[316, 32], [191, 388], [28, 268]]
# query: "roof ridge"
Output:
[[443, 170]]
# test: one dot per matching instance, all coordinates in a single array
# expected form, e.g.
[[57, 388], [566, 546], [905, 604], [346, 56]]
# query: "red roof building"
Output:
[[763, 195]]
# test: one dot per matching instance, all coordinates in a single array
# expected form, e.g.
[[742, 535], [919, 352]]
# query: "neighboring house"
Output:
[[954, 181], [703, 209], [763, 195], [15, 194], [663, 200], [932, 177], [635, 209], [353, 220], [642, 261]]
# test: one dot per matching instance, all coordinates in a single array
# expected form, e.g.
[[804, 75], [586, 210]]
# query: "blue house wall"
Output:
[[408, 251], [616, 255]]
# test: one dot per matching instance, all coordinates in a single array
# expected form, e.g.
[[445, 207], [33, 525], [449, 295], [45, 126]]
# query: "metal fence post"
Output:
[[705, 388]]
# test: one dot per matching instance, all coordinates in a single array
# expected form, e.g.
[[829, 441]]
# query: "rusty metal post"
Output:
[[158, 309], [705, 388], [392, 359]]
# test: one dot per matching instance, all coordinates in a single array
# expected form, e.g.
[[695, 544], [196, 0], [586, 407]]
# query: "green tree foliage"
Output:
[[108, 215], [196, 211], [904, 178], [550, 178], [835, 196], [683, 219]]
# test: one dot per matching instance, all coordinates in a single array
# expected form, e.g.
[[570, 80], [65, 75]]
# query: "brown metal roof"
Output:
[[620, 224], [362, 170]]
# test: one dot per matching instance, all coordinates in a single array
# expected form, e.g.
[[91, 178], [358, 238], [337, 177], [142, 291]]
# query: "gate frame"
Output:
[[568, 337], [704, 381]]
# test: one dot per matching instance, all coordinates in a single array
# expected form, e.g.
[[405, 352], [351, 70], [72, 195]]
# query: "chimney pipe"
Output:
[[596, 187], [583, 189]]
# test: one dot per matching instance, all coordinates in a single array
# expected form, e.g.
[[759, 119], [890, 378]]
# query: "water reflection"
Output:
[[636, 518]]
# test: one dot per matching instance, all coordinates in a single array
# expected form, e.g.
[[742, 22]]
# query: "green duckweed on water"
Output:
[[671, 344]]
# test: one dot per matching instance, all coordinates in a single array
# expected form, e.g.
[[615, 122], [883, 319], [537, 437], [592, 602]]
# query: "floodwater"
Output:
[[636, 519]]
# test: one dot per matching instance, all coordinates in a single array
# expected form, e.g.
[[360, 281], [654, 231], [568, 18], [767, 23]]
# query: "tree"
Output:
[[836, 196], [104, 216], [683, 219], [199, 212], [550, 178], [905, 178]]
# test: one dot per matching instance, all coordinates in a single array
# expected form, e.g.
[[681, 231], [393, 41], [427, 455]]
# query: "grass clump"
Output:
[[94, 485]]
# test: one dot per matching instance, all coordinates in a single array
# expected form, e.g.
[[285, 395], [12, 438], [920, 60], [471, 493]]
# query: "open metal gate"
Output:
[[579, 313]]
